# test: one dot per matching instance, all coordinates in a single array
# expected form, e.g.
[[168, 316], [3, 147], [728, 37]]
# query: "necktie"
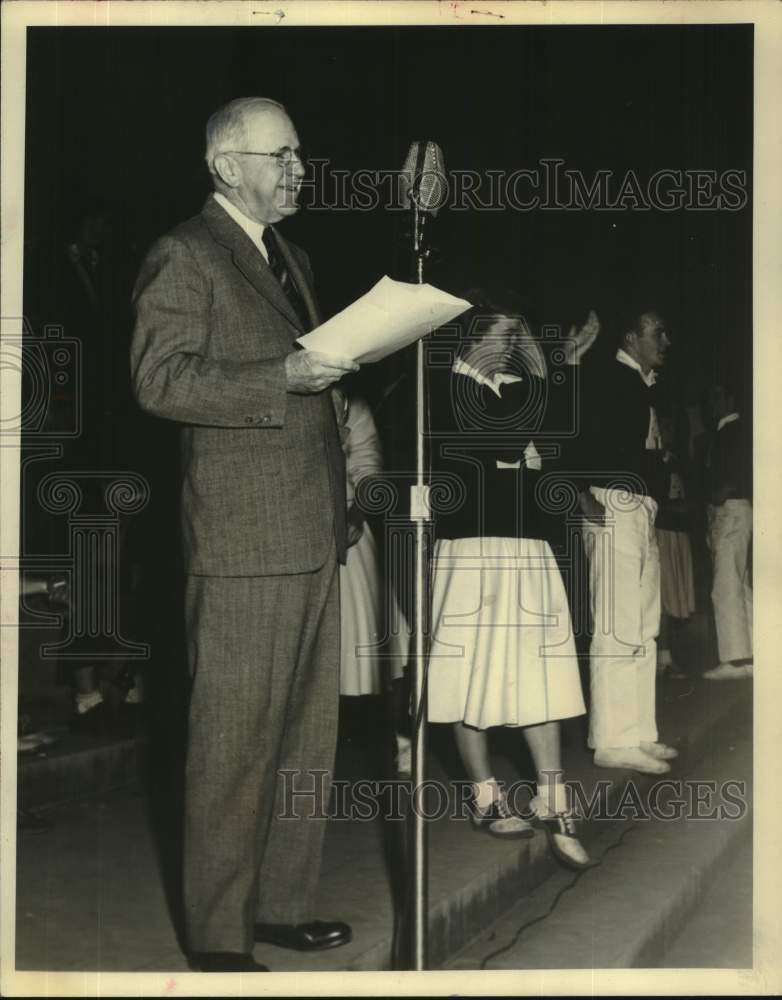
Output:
[[280, 271]]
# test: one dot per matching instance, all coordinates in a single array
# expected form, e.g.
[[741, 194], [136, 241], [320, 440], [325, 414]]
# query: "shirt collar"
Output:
[[253, 229], [624, 358], [460, 367], [727, 420]]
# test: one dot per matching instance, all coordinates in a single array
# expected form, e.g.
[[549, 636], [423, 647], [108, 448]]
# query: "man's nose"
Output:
[[298, 168]]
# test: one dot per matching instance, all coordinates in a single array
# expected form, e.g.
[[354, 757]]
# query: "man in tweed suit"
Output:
[[219, 302]]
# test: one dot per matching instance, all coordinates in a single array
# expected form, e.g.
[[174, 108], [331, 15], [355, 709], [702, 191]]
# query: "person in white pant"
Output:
[[619, 453], [729, 538]]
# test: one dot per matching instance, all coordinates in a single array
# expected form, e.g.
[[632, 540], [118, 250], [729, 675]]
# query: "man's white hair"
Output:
[[226, 128]]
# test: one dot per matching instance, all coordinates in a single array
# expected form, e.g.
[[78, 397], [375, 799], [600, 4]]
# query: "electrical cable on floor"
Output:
[[565, 888]]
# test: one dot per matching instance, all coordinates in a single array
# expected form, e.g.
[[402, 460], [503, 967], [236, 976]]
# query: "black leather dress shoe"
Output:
[[225, 961], [315, 936]]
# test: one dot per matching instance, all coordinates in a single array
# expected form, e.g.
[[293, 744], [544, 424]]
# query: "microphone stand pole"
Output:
[[419, 509]]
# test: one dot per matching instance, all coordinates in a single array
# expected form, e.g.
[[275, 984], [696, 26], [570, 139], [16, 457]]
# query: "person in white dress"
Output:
[[374, 634], [502, 651]]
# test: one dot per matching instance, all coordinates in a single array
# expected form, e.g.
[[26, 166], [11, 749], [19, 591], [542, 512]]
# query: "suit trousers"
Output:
[[624, 588], [730, 535], [264, 660]]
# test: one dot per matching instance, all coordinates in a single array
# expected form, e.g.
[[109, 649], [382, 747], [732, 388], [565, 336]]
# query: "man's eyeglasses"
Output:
[[284, 157]]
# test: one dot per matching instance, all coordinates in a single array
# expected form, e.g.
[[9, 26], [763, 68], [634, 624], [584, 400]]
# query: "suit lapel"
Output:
[[250, 262]]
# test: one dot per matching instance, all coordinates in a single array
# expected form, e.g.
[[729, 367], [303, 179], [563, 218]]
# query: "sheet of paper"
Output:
[[390, 316]]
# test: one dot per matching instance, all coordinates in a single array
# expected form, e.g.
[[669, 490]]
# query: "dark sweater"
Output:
[[610, 447], [471, 428], [730, 467]]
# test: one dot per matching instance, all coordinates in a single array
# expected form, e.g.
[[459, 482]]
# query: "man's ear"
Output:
[[227, 169]]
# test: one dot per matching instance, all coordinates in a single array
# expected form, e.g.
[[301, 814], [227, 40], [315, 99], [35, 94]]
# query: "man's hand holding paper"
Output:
[[312, 371]]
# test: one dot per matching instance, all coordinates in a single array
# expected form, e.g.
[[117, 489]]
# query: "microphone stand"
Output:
[[420, 514]]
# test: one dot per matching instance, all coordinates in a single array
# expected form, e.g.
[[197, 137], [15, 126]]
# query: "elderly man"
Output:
[[619, 451], [219, 302]]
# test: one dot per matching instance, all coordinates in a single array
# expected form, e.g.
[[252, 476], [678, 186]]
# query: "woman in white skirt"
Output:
[[502, 650], [374, 634]]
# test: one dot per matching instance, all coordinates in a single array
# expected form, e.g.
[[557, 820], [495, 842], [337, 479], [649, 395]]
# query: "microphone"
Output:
[[423, 177]]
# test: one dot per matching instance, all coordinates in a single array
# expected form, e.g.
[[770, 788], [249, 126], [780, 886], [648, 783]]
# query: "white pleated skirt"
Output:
[[374, 637], [502, 652]]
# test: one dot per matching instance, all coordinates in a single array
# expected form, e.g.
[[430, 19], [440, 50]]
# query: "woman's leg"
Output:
[[550, 806], [489, 804], [399, 716], [544, 745], [473, 747], [664, 661]]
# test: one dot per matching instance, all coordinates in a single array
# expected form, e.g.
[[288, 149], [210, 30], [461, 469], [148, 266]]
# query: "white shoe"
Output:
[[560, 830], [728, 672], [499, 820], [660, 751], [630, 758]]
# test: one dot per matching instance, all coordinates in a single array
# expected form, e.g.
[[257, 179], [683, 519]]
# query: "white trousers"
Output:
[[730, 535], [624, 586]]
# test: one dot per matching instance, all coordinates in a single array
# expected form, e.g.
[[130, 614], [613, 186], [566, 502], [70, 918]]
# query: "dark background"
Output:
[[120, 112], [118, 115]]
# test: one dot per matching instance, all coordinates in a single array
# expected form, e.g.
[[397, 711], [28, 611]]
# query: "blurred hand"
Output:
[[592, 509], [579, 341], [311, 371], [355, 531], [58, 590], [355, 524]]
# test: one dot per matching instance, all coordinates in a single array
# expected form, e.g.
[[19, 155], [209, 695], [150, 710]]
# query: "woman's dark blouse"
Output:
[[471, 428]]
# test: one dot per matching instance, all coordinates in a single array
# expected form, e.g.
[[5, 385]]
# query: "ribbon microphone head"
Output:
[[423, 180]]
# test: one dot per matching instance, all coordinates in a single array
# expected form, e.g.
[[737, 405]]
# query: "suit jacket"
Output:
[[263, 474]]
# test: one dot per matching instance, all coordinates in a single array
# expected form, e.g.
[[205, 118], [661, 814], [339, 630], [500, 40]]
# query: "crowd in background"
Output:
[[80, 282]]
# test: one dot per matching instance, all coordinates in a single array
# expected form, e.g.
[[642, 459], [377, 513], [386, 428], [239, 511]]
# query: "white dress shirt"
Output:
[[253, 229]]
